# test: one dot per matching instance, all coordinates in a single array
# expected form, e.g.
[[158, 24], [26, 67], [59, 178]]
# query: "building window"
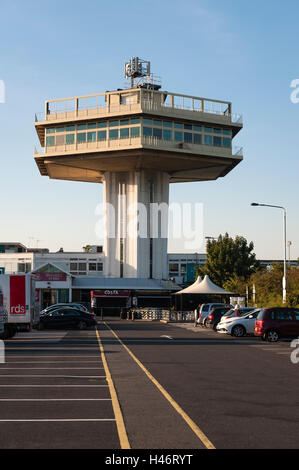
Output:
[[157, 123], [147, 132], [82, 267], [217, 141], [100, 267], [208, 140], [113, 123], [70, 128], [124, 133], [50, 141], [74, 267], [148, 121], [102, 125], [92, 125], [113, 134], [135, 132], [102, 135], [167, 135], [135, 121], [157, 133], [188, 137], [92, 266], [197, 139], [178, 125], [82, 127], [178, 136], [70, 139], [167, 124], [81, 137], [174, 268], [91, 136], [124, 122], [226, 142], [188, 127]]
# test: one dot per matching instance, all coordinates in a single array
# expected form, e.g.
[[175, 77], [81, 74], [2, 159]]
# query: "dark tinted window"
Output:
[[296, 312], [283, 315], [71, 312]]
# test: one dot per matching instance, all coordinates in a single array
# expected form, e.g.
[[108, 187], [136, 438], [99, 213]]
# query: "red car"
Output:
[[275, 323]]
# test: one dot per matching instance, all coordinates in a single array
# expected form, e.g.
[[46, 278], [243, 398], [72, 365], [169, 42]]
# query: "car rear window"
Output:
[[205, 308], [261, 315]]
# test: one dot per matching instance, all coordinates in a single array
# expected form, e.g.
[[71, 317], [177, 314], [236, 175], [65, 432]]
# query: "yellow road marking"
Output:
[[121, 429], [199, 433]]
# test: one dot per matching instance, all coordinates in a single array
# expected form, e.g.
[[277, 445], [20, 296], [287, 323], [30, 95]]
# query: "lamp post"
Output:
[[284, 280]]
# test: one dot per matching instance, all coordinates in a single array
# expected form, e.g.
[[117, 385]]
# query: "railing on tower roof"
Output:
[[130, 101]]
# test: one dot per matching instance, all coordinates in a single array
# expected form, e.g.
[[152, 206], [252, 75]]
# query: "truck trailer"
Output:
[[17, 304]]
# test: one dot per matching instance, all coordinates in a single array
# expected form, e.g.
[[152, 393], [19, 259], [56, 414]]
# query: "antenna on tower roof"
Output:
[[139, 71]]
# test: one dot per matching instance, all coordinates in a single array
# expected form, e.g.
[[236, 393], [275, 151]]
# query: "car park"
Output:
[[65, 317], [275, 323], [215, 316], [239, 326]]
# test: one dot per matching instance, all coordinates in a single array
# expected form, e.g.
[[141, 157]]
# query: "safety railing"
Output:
[[123, 101]]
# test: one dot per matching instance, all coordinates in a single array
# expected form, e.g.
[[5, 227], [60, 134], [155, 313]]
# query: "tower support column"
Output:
[[136, 224]]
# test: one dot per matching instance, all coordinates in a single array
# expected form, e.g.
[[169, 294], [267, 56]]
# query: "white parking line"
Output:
[[50, 368], [50, 386], [57, 376], [74, 356], [51, 362], [55, 399], [55, 420]]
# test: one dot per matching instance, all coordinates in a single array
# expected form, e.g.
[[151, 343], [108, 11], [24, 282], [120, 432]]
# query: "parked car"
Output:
[[239, 326], [71, 304], [66, 317], [215, 316], [275, 323], [205, 310], [231, 316], [242, 311]]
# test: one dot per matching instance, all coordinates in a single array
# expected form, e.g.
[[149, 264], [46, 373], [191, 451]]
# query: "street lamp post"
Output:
[[284, 280]]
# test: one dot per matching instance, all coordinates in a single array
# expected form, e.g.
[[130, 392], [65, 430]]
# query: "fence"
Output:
[[156, 314]]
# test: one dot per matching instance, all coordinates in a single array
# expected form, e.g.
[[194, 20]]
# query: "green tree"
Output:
[[228, 259]]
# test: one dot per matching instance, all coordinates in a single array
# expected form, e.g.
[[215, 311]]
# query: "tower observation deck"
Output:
[[136, 141]]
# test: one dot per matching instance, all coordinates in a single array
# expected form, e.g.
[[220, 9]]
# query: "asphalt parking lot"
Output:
[[54, 394], [177, 387]]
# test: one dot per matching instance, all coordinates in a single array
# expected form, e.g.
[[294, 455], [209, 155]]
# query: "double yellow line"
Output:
[[121, 429], [118, 414]]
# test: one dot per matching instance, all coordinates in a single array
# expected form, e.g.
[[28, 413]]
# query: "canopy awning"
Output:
[[204, 287]]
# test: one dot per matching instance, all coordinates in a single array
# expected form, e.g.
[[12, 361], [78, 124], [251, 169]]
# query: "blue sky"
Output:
[[245, 52]]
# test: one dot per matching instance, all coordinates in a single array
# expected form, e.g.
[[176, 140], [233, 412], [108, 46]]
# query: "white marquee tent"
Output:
[[204, 287]]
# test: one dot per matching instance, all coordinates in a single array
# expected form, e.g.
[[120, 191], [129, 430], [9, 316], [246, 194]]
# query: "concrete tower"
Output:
[[136, 141]]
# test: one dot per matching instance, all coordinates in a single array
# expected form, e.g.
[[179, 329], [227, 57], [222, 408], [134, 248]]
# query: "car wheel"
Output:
[[238, 331], [82, 325], [272, 336]]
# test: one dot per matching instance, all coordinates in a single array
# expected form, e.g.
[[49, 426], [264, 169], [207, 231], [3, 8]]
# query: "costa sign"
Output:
[[111, 293]]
